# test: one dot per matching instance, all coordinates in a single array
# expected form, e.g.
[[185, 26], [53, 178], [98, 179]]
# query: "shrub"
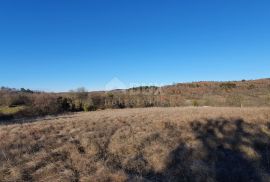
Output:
[[228, 85], [195, 103], [147, 104], [193, 85], [17, 100], [78, 105], [46, 104], [251, 86], [119, 105], [98, 101], [89, 107], [110, 95], [64, 104]]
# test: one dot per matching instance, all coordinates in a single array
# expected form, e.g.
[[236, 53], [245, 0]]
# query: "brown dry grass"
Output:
[[151, 144]]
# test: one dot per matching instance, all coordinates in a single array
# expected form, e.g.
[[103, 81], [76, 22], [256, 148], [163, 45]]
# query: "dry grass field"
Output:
[[150, 144]]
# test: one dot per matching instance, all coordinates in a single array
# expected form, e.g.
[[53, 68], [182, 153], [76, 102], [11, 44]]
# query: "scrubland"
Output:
[[149, 144], [25, 103]]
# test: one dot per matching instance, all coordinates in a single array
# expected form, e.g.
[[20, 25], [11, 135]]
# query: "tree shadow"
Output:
[[234, 150], [227, 150], [11, 119]]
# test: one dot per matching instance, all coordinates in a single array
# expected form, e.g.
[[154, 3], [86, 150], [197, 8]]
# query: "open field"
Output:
[[150, 144]]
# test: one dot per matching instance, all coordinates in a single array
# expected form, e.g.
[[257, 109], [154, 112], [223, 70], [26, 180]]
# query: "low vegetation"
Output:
[[254, 93], [150, 144]]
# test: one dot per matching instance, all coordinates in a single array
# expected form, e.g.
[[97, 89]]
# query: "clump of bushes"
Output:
[[65, 104], [193, 85], [251, 86], [14, 100], [210, 93], [119, 105], [227, 85], [89, 106]]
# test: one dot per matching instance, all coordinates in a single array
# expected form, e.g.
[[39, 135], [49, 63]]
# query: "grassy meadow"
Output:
[[147, 144]]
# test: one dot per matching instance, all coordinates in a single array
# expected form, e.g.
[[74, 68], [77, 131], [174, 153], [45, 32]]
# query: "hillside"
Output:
[[26, 103], [151, 144], [232, 93]]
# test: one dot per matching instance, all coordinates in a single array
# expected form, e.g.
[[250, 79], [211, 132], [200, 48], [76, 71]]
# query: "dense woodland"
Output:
[[19, 103]]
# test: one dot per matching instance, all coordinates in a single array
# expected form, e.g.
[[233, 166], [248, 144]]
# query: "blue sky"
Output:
[[58, 45]]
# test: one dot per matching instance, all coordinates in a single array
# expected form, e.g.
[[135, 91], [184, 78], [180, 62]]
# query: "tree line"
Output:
[[36, 103]]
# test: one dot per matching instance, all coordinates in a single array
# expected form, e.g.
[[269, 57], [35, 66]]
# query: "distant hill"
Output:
[[244, 93], [204, 93]]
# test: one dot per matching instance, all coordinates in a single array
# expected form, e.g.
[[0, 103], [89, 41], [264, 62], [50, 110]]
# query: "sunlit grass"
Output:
[[150, 144], [11, 110]]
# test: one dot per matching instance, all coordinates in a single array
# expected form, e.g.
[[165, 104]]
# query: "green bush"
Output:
[[87, 107], [65, 104], [227, 85], [78, 105], [195, 103]]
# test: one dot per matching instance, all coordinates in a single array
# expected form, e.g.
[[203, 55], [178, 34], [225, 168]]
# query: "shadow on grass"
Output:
[[9, 119], [222, 150], [230, 150]]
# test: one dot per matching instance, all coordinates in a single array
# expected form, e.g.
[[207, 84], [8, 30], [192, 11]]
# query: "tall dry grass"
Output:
[[151, 144]]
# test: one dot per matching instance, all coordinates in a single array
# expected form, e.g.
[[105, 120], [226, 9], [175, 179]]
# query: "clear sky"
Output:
[[56, 45]]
